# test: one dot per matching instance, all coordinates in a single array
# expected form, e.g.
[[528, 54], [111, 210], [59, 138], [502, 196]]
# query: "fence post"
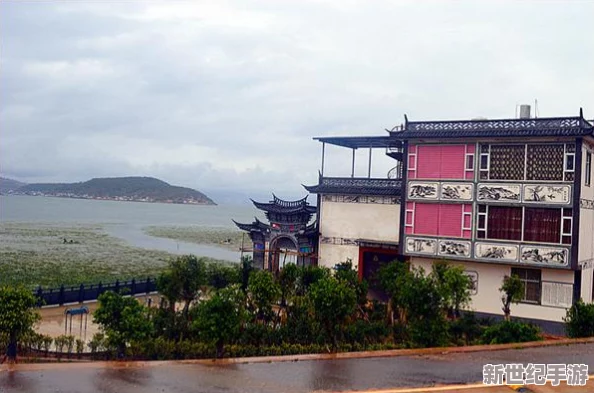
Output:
[[39, 296], [61, 295], [133, 287], [99, 289], [81, 293], [117, 286], [148, 285]]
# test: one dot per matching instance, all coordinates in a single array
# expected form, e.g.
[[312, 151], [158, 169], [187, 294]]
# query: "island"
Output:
[[133, 188]]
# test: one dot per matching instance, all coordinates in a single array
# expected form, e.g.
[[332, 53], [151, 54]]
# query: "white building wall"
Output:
[[488, 297], [586, 239], [342, 223]]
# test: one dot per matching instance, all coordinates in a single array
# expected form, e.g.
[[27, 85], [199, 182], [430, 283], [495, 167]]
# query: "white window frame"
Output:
[[568, 157], [588, 172]]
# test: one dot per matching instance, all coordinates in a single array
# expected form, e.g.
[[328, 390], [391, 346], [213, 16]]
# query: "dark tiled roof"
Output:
[[356, 186], [274, 208], [257, 225], [558, 126], [277, 205]]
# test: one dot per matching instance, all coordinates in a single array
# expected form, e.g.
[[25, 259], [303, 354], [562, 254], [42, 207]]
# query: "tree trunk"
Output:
[[220, 349], [11, 349]]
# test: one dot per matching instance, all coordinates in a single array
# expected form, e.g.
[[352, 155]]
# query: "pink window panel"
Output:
[[453, 162], [412, 149], [450, 220], [409, 218], [426, 218], [470, 148], [428, 160], [409, 231]]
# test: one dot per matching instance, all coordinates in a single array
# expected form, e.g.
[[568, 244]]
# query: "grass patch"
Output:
[[36, 255], [227, 238]]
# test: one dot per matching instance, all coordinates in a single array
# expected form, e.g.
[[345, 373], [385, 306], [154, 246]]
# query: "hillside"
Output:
[[8, 185], [143, 189]]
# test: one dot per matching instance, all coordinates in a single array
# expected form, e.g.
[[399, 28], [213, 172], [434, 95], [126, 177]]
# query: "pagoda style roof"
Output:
[[533, 127], [357, 186], [277, 205], [257, 225]]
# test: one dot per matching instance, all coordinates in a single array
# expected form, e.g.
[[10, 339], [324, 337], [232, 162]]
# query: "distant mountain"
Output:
[[9, 185], [141, 189]]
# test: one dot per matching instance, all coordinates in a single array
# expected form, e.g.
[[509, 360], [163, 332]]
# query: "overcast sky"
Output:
[[227, 95]]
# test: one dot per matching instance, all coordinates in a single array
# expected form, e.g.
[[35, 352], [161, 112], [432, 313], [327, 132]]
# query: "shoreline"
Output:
[[113, 199]]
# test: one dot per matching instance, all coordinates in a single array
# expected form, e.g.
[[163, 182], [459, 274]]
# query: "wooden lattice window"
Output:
[[544, 162], [506, 162]]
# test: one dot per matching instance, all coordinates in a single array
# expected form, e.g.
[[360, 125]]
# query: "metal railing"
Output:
[[83, 293]]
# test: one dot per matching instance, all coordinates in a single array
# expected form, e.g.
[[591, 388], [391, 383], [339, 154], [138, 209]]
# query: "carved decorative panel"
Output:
[[422, 190], [499, 192], [454, 248], [421, 246], [338, 241], [379, 200], [496, 252], [547, 194], [544, 162], [456, 191], [587, 204], [551, 256]]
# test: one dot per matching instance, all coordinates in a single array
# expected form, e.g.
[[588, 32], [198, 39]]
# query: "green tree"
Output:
[[394, 278], [220, 276], [423, 305], [453, 285], [309, 275], [263, 293], [579, 320], [333, 302], [123, 319], [218, 320], [17, 316], [182, 281], [245, 268], [513, 292], [350, 276], [287, 280]]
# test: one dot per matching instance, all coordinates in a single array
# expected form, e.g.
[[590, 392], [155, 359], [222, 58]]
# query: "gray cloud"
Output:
[[227, 95]]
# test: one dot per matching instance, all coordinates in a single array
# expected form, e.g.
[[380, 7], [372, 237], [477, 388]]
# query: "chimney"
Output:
[[524, 111]]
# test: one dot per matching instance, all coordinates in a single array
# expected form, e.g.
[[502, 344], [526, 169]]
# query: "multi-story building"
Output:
[[500, 197]]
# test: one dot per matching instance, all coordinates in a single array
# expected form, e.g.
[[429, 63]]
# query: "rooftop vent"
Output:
[[524, 111]]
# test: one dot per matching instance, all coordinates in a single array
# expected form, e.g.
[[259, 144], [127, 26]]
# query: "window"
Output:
[[469, 162], [541, 162], [451, 220], [504, 223], [588, 173], [529, 224], [507, 162], [544, 162], [542, 225], [531, 279]]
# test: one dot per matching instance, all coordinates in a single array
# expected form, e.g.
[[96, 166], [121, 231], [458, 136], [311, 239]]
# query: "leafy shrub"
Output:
[[579, 321], [80, 347], [466, 330], [511, 332], [366, 333]]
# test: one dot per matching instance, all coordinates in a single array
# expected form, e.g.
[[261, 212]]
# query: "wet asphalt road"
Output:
[[302, 376]]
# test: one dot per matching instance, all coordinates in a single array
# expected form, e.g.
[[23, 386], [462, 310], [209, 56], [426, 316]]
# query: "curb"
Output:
[[391, 353], [306, 357]]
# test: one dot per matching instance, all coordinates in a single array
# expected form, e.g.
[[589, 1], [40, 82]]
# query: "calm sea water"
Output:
[[125, 220]]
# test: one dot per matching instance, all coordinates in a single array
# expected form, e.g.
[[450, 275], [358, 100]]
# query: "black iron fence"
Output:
[[82, 293]]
